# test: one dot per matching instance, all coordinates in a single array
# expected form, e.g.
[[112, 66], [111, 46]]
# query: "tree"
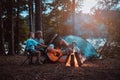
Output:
[[108, 4], [73, 15], [2, 50], [16, 28], [10, 27], [31, 15], [55, 21], [109, 14], [38, 15]]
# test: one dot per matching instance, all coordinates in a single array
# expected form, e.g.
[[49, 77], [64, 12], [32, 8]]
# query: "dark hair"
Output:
[[37, 33]]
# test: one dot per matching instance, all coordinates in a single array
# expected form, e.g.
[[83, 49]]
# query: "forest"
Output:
[[64, 17]]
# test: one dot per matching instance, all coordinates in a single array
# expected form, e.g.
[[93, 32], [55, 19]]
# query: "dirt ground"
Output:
[[106, 69]]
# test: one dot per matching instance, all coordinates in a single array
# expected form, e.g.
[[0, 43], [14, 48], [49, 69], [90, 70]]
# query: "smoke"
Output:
[[85, 25]]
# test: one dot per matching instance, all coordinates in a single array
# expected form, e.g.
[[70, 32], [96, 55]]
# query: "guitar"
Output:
[[54, 54]]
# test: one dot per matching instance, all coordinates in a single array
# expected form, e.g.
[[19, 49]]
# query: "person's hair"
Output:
[[30, 34], [37, 33]]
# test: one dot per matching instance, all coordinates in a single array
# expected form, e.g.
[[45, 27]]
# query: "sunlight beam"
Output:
[[87, 5]]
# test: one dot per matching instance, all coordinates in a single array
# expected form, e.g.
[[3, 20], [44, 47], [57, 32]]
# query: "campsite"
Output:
[[106, 68], [59, 40]]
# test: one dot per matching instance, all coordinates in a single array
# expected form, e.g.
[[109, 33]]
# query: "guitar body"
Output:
[[54, 54]]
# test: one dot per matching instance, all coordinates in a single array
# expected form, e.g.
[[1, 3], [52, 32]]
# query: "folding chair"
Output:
[[29, 57]]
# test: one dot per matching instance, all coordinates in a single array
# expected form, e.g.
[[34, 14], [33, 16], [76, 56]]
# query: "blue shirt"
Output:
[[41, 41], [30, 44]]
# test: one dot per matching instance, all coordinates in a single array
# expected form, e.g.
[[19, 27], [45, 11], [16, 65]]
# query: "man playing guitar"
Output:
[[55, 52]]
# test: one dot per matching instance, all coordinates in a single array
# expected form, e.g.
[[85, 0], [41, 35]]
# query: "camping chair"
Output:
[[29, 55]]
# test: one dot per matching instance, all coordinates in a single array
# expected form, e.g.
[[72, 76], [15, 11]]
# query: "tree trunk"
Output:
[[17, 29], [31, 15], [73, 15], [2, 50], [38, 15], [10, 27]]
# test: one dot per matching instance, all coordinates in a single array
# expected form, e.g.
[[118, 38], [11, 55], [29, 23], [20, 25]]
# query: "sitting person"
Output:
[[40, 40], [67, 49], [59, 50], [56, 48], [53, 53], [30, 47], [59, 46], [42, 46]]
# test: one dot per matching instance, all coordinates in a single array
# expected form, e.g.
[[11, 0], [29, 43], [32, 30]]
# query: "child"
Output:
[[40, 40], [30, 47], [42, 47]]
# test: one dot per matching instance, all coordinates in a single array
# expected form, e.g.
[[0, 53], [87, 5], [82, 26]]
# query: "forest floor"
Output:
[[106, 69]]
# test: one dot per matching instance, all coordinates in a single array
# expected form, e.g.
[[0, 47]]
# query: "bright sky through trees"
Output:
[[86, 8], [87, 5]]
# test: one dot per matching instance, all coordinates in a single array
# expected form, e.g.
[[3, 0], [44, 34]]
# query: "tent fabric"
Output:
[[86, 48]]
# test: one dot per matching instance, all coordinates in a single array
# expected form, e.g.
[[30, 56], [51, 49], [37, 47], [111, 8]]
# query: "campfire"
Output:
[[73, 59]]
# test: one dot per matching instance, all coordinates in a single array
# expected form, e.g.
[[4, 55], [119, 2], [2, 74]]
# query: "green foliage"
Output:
[[56, 19], [108, 4], [111, 19], [108, 12], [23, 31]]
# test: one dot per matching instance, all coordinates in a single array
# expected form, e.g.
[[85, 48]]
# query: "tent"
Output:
[[86, 48]]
